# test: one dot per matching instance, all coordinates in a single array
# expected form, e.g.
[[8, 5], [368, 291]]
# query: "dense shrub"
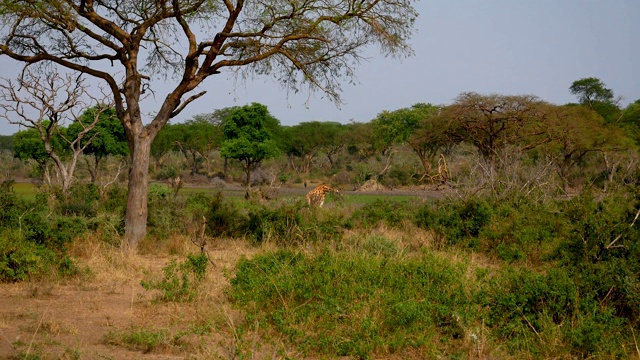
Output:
[[281, 224], [391, 213], [351, 304], [33, 242], [223, 217], [457, 221]]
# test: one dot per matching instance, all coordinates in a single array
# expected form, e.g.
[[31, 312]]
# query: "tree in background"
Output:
[[307, 139], [592, 92], [417, 126], [57, 99], [6, 142], [28, 145], [575, 132], [630, 120], [106, 138], [247, 137], [490, 122], [195, 139], [125, 44]]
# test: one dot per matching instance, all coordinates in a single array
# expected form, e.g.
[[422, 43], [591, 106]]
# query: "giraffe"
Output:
[[316, 196]]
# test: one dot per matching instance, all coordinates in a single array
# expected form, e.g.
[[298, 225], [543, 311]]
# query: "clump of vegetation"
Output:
[[139, 339], [180, 282], [32, 243], [340, 304]]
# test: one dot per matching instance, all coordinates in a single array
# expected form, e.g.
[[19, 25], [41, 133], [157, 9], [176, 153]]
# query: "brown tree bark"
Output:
[[136, 212]]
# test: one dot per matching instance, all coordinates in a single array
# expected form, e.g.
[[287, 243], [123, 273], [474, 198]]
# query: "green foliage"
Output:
[[223, 217], [352, 304], [27, 144], [281, 225], [180, 282], [106, 138], [167, 172], [33, 242], [82, 200], [391, 213], [456, 220], [21, 259], [140, 339], [6, 142], [248, 136], [525, 306], [399, 125]]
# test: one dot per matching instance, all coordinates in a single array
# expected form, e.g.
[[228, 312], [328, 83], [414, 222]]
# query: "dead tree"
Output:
[[46, 101]]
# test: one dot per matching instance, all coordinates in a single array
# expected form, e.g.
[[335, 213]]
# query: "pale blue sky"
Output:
[[510, 47]]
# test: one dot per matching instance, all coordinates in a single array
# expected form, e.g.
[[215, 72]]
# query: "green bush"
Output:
[[525, 306], [223, 217], [350, 304], [138, 338], [392, 213], [457, 221], [82, 200], [281, 224], [21, 260], [180, 282], [11, 206]]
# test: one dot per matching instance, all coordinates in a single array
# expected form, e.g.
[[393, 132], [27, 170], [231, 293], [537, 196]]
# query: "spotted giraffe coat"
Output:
[[317, 195]]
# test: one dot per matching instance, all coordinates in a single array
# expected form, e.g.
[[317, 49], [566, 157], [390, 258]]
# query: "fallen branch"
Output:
[[620, 236]]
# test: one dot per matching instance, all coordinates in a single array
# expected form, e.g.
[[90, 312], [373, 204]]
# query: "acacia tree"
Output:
[[44, 103], [307, 139], [124, 43], [491, 122], [195, 139], [575, 132]]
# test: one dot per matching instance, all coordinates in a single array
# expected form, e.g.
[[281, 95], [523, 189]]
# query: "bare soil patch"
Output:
[[84, 318]]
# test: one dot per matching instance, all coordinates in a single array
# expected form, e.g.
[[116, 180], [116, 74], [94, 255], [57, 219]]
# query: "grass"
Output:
[[27, 190], [368, 280]]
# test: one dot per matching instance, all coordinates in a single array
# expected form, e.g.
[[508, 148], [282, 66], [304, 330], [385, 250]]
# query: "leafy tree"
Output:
[[593, 93], [6, 142], [590, 90], [575, 133], [418, 126], [360, 140], [107, 137], [247, 137], [301, 44], [196, 139], [630, 120], [27, 145], [307, 139]]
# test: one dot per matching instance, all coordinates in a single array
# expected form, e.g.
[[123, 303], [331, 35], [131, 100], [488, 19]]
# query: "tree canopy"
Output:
[[248, 138]]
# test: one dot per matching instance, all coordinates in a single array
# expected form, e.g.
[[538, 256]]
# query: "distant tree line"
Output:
[[571, 136]]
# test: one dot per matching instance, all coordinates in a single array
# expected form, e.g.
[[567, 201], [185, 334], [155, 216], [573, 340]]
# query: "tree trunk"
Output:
[[248, 168], [136, 213]]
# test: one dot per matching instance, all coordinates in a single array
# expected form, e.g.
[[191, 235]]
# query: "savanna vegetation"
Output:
[[500, 227]]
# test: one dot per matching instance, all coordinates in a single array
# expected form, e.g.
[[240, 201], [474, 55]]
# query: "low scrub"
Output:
[[180, 282], [344, 304]]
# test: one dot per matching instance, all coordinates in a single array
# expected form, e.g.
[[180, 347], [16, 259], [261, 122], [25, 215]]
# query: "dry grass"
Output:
[[72, 318]]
